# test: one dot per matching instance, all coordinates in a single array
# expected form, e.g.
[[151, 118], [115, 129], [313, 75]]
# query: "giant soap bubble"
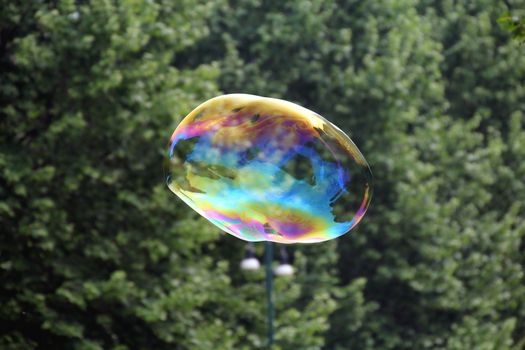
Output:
[[264, 169]]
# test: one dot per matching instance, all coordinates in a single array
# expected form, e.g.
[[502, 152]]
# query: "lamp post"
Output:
[[250, 263], [268, 257]]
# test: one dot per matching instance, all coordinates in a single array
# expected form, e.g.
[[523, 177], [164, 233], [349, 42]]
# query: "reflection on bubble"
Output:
[[266, 169]]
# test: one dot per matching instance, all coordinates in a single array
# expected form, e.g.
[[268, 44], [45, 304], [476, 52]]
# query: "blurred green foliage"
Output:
[[513, 20], [96, 253], [515, 25]]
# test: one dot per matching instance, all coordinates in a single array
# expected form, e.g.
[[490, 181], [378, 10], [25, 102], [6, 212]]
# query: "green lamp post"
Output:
[[250, 263]]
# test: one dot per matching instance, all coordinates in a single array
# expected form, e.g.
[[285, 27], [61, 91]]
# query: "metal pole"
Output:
[[268, 255]]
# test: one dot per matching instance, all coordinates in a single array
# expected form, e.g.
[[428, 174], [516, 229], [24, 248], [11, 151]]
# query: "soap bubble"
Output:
[[265, 169]]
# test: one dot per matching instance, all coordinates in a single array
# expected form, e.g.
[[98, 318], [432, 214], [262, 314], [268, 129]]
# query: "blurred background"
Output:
[[97, 253]]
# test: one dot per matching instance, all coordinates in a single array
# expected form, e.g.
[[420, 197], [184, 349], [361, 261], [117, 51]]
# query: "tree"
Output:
[[97, 252], [439, 253]]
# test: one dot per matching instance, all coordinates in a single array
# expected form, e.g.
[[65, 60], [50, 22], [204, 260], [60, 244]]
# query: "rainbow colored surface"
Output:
[[267, 169]]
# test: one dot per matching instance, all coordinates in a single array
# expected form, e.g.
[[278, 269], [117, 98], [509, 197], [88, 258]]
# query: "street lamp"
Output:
[[284, 268], [251, 263]]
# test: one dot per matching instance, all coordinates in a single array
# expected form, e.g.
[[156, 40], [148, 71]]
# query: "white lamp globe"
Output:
[[250, 264], [284, 270]]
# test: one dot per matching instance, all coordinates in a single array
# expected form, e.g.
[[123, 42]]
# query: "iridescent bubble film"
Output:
[[267, 169]]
